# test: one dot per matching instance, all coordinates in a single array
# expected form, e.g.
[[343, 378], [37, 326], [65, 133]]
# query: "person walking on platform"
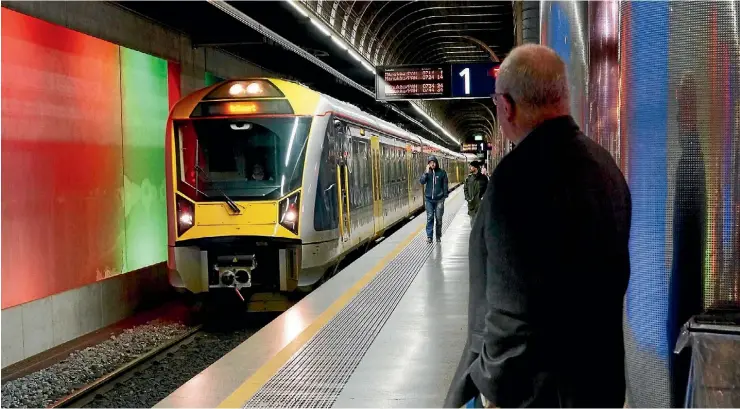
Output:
[[549, 258], [475, 186], [435, 193]]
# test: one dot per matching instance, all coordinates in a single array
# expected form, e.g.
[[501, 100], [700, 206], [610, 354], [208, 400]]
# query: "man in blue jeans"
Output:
[[435, 193]]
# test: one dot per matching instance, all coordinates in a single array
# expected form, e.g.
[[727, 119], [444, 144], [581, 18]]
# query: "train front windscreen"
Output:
[[246, 159]]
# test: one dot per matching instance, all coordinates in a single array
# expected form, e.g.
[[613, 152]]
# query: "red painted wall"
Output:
[[62, 158]]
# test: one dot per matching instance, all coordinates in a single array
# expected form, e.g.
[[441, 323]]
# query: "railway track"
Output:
[[87, 394]]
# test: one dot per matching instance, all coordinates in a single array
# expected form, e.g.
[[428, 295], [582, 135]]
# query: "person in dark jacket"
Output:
[[435, 193], [549, 258], [475, 186]]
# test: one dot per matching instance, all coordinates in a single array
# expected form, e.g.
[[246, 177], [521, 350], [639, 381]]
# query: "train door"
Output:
[[410, 178], [344, 143], [377, 183]]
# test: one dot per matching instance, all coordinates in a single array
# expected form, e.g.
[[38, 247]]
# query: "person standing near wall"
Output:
[[435, 193], [549, 256], [475, 186]]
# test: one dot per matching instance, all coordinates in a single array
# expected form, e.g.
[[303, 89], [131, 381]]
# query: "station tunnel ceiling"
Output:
[[384, 32]]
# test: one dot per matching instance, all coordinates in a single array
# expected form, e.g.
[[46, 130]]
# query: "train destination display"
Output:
[[436, 81]]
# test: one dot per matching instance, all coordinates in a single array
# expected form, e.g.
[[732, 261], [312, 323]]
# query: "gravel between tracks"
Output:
[[48, 385], [155, 383]]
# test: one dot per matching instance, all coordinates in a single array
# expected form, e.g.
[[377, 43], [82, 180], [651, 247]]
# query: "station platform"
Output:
[[387, 331]]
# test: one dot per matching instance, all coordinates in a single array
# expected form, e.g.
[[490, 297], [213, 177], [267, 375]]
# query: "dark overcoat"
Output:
[[549, 267]]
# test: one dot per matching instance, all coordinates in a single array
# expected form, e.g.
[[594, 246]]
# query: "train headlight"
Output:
[[186, 219], [240, 90], [185, 215], [254, 88], [290, 212], [236, 89]]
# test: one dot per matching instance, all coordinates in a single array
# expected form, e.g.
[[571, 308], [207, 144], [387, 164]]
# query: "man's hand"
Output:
[[486, 403], [429, 168]]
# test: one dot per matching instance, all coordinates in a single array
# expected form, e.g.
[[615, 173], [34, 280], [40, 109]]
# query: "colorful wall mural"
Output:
[[212, 78], [663, 91], [83, 195]]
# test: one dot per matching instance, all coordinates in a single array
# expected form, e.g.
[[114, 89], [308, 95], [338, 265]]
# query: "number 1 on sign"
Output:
[[466, 74]]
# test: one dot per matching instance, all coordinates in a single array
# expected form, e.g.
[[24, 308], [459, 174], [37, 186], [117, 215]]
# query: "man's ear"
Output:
[[509, 110]]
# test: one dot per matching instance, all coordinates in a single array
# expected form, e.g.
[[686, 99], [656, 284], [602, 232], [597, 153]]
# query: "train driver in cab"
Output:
[[435, 193], [258, 173]]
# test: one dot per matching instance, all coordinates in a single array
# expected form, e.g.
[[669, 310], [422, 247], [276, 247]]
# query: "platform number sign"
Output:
[[465, 73], [436, 81], [473, 80]]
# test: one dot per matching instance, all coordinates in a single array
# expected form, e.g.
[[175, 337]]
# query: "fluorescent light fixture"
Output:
[[368, 67], [320, 27], [429, 118], [297, 8], [339, 43], [355, 56]]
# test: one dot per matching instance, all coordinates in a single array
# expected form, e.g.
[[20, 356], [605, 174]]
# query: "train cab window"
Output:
[[254, 159]]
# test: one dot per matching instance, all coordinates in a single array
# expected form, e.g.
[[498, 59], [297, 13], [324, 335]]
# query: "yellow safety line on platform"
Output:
[[254, 383]]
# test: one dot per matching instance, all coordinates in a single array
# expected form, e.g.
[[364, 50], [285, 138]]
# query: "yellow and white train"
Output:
[[270, 184]]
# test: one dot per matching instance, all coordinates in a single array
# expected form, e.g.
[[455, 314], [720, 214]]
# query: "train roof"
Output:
[[186, 105], [358, 114]]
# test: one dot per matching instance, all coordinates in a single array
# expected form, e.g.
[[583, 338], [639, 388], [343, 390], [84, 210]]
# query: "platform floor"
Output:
[[387, 331]]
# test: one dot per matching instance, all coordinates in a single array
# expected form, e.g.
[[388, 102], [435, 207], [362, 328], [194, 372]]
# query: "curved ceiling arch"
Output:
[[445, 24], [388, 32], [372, 40], [370, 24], [421, 53], [359, 20], [347, 15], [401, 48], [373, 37], [428, 32]]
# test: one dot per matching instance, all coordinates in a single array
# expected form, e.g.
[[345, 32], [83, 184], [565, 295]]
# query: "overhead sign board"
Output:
[[473, 80], [470, 148], [412, 82], [436, 81]]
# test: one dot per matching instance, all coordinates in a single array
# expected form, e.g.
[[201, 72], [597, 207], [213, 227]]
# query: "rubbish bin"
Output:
[[714, 375]]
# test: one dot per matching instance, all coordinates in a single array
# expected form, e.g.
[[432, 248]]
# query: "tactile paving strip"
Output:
[[316, 374]]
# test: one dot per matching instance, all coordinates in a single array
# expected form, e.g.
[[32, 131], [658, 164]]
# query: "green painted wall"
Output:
[[145, 109]]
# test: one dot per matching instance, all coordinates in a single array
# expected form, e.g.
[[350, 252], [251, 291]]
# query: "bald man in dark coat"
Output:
[[549, 259]]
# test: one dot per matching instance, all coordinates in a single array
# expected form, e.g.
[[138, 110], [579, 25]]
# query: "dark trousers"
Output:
[[435, 211]]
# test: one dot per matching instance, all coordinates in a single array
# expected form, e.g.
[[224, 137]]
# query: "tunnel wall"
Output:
[[663, 96], [83, 203]]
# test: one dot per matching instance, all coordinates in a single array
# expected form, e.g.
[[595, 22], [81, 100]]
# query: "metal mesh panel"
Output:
[[679, 130], [563, 27], [672, 124], [317, 373]]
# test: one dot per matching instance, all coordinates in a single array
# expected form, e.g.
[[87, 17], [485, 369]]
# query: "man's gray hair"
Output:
[[534, 76]]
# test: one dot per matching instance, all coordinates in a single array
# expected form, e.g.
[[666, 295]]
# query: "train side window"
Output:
[[363, 187], [326, 212], [385, 171], [392, 151], [399, 174]]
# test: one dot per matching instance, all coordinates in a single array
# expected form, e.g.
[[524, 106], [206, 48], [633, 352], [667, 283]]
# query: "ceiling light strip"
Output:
[[356, 55], [435, 123], [255, 25]]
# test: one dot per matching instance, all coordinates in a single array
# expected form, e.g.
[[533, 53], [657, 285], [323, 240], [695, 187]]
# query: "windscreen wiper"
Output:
[[229, 202]]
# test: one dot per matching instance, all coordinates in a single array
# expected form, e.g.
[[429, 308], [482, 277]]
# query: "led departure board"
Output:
[[412, 82], [435, 81]]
